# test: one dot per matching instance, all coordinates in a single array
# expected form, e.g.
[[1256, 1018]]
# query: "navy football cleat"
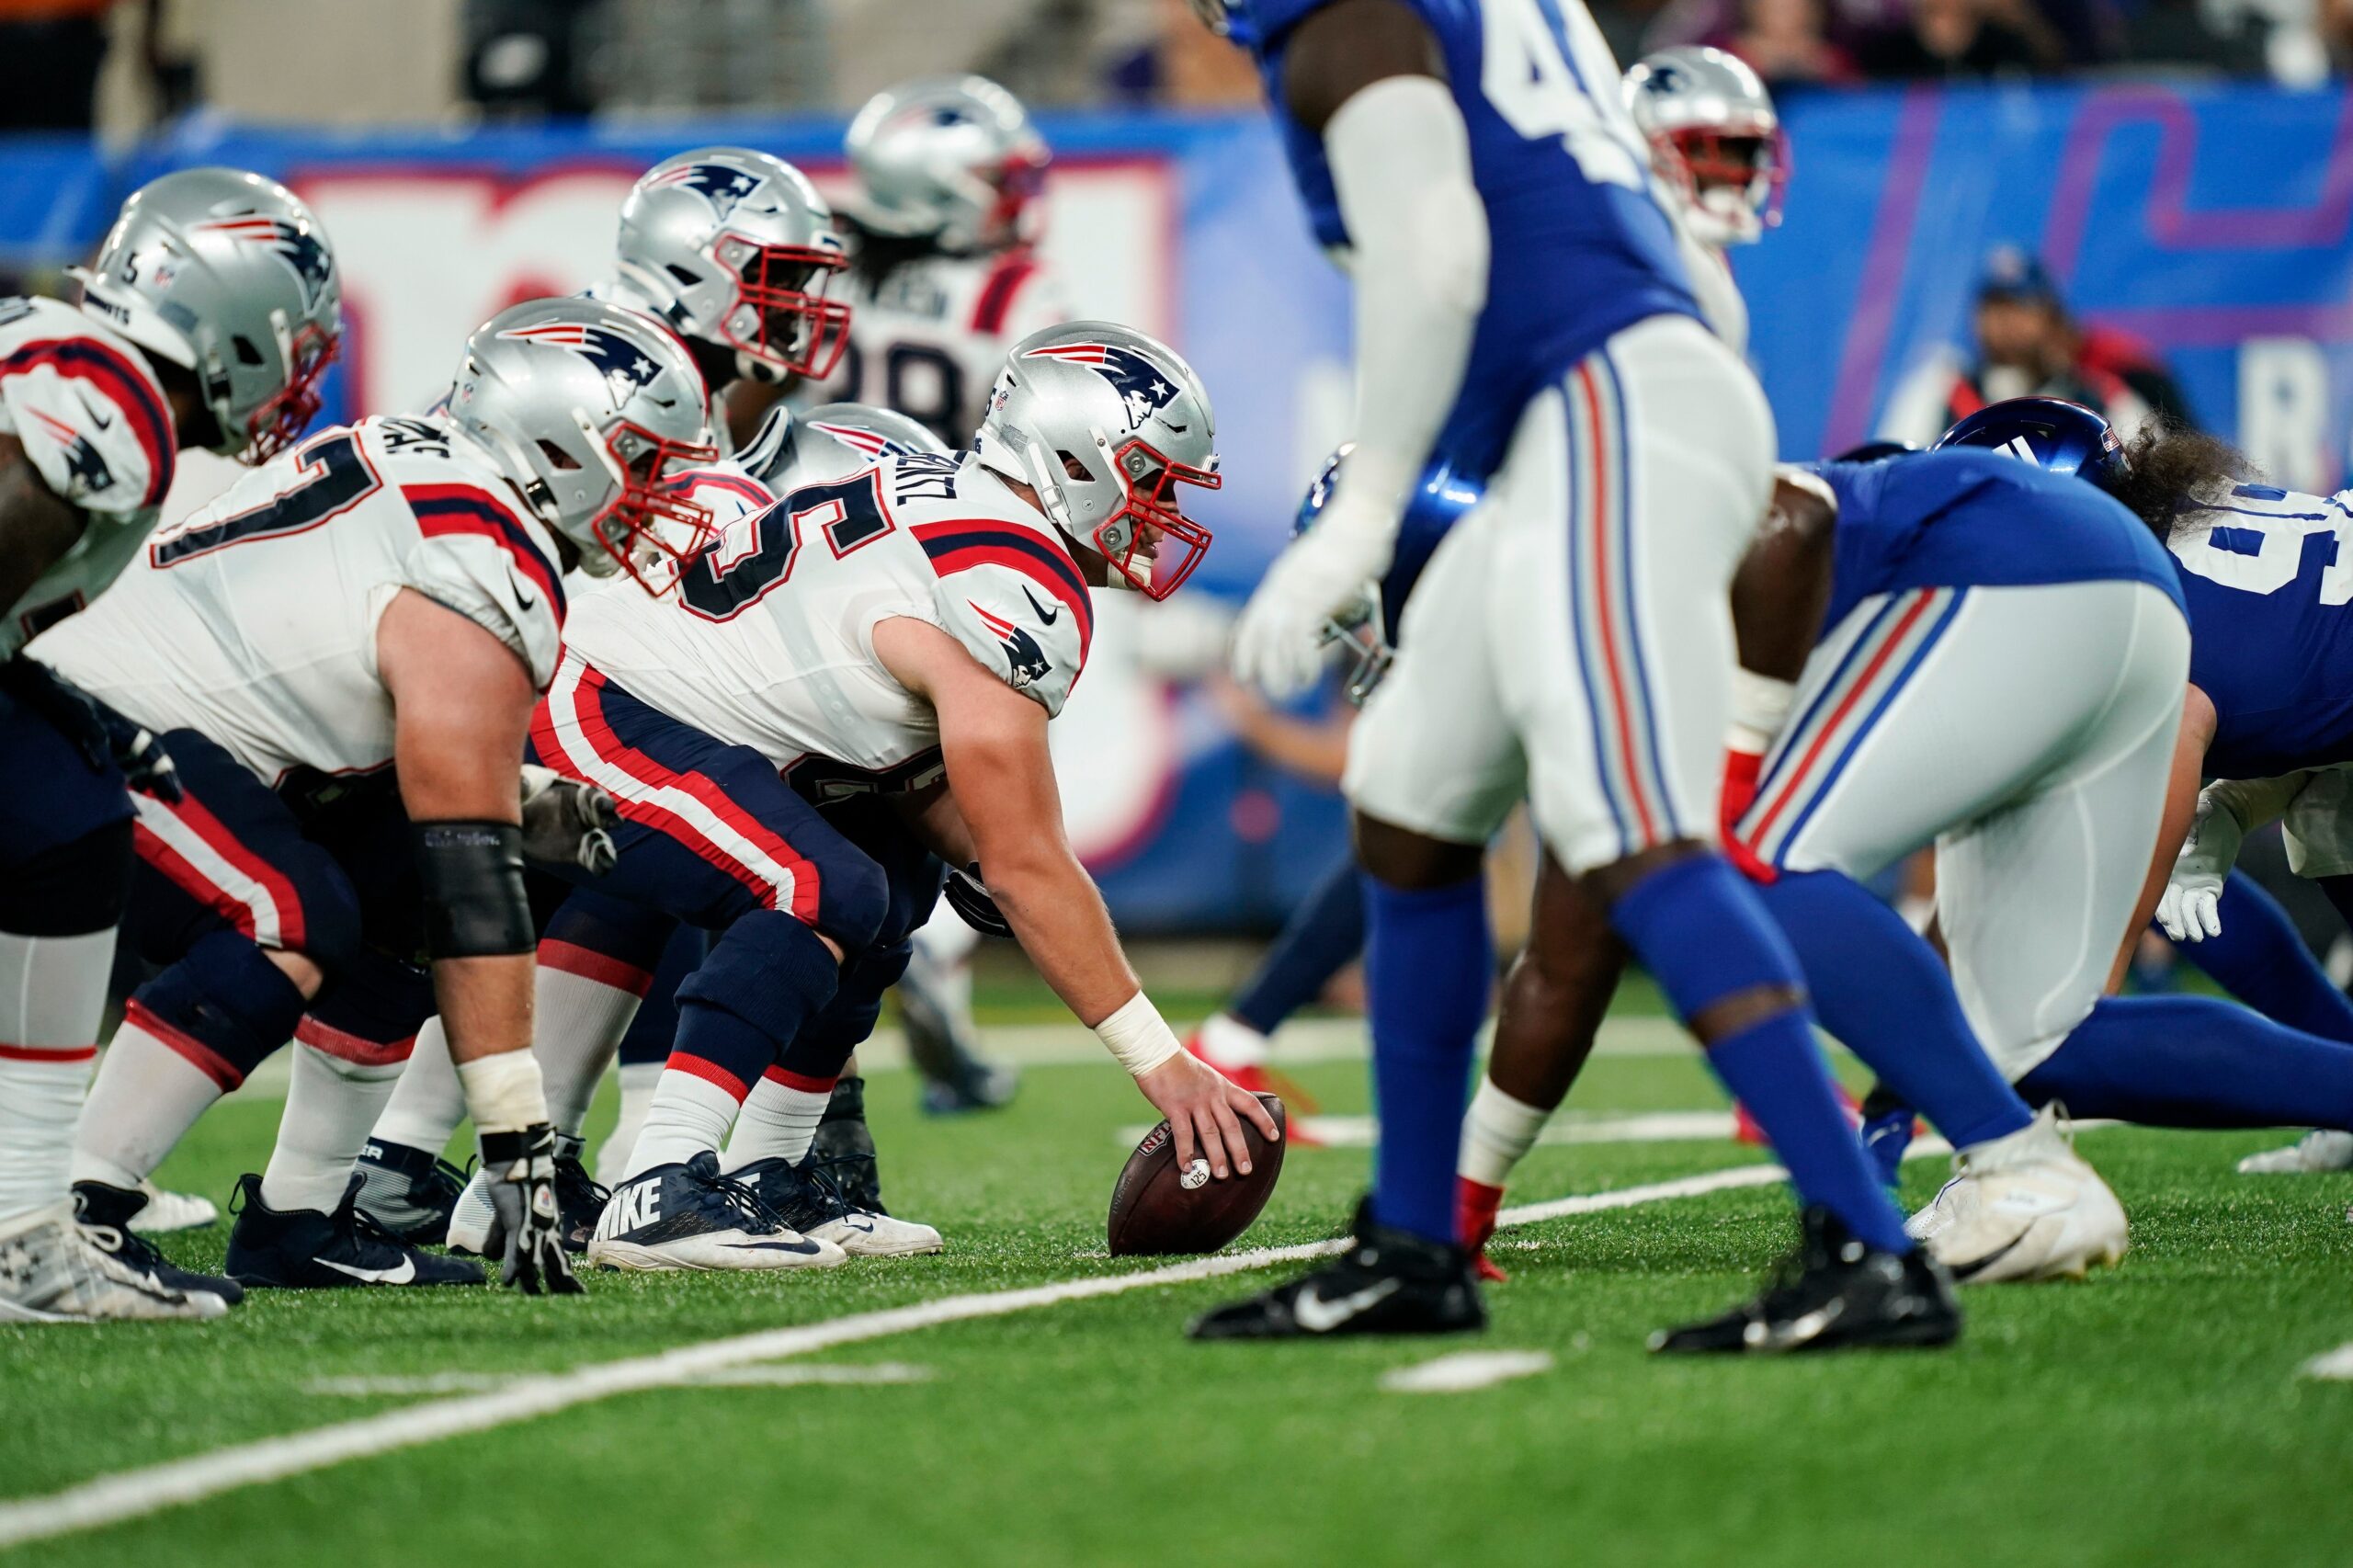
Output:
[[688, 1216], [1835, 1293], [1887, 1128], [1391, 1281], [303, 1249], [104, 1214], [844, 1147], [408, 1191], [805, 1197]]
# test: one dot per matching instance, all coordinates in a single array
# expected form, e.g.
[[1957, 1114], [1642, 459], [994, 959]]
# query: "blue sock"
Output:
[[1699, 929], [2261, 959], [1429, 963], [1878, 988], [2196, 1061], [1322, 936]]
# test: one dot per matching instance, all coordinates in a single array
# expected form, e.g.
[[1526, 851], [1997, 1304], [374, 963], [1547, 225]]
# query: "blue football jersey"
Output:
[[2268, 579], [1971, 517], [1581, 247]]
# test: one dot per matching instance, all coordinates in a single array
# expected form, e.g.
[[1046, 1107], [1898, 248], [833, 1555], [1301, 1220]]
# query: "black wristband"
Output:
[[474, 903]]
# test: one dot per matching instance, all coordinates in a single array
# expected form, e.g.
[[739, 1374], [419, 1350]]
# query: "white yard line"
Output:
[[1465, 1371], [730, 1377], [133, 1494]]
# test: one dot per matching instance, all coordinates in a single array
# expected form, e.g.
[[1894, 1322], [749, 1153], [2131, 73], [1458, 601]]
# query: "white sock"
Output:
[[1497, 1134], [779, 1120], [332, 1104], [578, 1027], [53, 996], [145, 1098], [639, 1080], [690, 1114], [1227, 1041], [427, 1103]]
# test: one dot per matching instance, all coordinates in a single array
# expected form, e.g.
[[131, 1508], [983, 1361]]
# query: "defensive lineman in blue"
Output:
[[1523, 316]]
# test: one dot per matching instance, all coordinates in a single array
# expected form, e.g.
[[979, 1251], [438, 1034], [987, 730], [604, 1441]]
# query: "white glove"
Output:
[[1278, 643], [2189, 909]]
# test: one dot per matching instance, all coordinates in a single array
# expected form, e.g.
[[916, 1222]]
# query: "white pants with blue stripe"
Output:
[[1571, 641], [2027, 733]]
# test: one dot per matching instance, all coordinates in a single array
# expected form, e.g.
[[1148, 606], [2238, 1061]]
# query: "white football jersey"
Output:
[[931, 340], [767, 641], [254, 621], [95, 426]]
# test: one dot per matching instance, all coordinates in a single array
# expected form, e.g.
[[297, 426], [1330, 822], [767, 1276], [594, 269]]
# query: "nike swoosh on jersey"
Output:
[[405, 1274], [1319, 1316], [1045, 617]]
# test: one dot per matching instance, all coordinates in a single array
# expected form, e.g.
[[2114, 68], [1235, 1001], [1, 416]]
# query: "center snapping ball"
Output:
[[1158, 1209]]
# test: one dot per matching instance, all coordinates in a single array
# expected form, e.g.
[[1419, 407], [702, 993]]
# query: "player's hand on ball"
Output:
[[1279, 644], [1202, 1107], [2189, 910], [527, 1229]]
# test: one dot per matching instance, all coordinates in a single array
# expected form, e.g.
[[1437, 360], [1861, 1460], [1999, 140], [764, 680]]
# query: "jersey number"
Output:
[[756, 554], [2278, 559], [922, 383], [336, 478], [1527, 74]]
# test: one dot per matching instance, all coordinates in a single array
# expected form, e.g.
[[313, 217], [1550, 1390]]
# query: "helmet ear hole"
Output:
[[557, 456], [1075, 468], [682, 274], [247, 354]]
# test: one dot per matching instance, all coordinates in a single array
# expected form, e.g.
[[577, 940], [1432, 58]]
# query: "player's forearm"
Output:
[[1401, 164], [1058, 915]]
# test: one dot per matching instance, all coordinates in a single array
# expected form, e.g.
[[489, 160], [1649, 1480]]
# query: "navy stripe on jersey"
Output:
[[464, 509], [958, 544], [128, 385]]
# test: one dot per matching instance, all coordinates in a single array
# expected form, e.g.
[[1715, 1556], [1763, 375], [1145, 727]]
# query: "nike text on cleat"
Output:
[[2023, 1207], [409, 1191], [1389, 1281], [303, 1249], [690, 1217], [1832, 1293], [50, 1274], [108, 1217], [805, 1197]]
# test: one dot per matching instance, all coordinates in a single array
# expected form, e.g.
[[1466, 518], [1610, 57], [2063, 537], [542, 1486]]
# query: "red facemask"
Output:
[[1715, 160], [1153, 508], [798, 329], [279, 423], [650, 529]]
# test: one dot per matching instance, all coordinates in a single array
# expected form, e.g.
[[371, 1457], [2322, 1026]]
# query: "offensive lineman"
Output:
[[1522, 314], [206, 318], [386, 599]]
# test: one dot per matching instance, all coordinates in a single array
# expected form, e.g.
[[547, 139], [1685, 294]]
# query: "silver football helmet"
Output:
[[228, 275], [1715, 138], [591, 409], [953, 158], [734, 248], [1105, 422], [831, 441]]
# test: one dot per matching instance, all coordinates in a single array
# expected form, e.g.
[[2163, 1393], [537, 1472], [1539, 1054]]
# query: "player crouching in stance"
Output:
[[895, 642], [208, 316], [1948, 648], [385, 599]]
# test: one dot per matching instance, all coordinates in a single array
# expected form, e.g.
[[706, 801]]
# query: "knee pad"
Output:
[[853, 902], [768, 970], [370, 1014], [1700, 930], [847, 1021], [71, 889], [229, 998]]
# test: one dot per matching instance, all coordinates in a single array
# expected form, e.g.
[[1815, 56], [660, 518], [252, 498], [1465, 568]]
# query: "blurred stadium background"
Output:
[[2144, 202]]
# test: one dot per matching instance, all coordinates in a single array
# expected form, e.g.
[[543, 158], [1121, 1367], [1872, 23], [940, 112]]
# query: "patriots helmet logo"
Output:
[[1142, 385], [1026, 662], [1666, 77], [723, 187], [624, 365], [298, 248]]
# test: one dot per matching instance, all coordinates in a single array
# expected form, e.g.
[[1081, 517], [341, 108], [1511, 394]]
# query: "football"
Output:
[[1158, 1209]]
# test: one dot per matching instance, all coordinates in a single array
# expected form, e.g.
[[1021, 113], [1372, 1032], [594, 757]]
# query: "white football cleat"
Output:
[[2317, 1151], [173, 1211], [469, 1219], [805, 1197], [2024, 1207], [51, 1273], [690, 1217]]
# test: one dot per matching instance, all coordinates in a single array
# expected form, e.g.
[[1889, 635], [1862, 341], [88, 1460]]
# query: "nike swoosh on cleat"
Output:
[[806, 1248], [1971, 1269], [404, 1275], [1319, 1316]]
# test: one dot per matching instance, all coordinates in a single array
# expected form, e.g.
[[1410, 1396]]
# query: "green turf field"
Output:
[[2154, 1415]]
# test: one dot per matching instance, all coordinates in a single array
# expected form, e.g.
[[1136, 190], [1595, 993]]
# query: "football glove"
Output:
[[1279, 644], [527, 1228], [2189, 909], [969, 897], [103, 737], [566, 823]]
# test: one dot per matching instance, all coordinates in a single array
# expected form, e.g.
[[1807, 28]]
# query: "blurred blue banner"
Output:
[[2214, 223]]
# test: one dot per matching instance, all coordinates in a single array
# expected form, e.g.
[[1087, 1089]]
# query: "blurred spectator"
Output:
[[2185, 33], [1180, 61], [51, 51], [2027, 344], [1784, 41], [2336, 35], [522, 56], [1963, 37]]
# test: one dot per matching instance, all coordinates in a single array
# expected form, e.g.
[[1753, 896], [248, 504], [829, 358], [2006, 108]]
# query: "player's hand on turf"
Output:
[[2189, 910], [567, 823], [1279, 644], [527, 1231], [1203, 1107]]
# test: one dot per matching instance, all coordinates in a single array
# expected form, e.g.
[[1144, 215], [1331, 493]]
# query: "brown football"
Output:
[[1158, 1210]]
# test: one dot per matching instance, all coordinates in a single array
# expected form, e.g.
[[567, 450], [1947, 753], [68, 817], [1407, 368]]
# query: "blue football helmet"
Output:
[[1876, 451], [1361, 626], [1230, 19], [2048, 432]]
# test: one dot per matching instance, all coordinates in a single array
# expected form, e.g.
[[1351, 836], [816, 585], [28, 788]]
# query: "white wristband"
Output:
[[1138, 1036], [503, 1091]]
